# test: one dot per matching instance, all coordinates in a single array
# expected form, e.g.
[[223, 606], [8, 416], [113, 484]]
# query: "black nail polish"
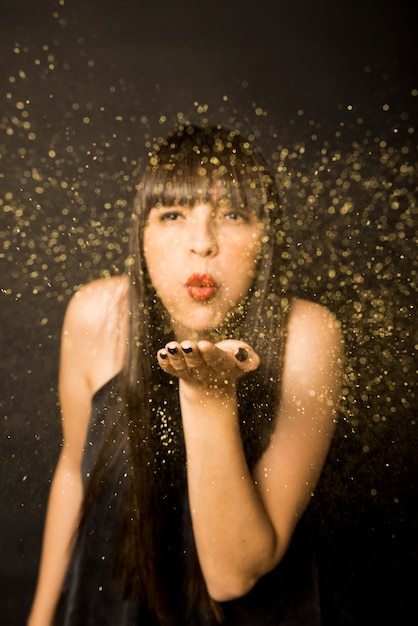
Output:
[[163, 355], [187, 350], [241, 355], [173, 350]]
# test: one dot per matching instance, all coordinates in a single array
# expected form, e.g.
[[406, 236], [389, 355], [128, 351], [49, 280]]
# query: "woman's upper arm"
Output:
[[289, 469], [75, 391], [92, 349]]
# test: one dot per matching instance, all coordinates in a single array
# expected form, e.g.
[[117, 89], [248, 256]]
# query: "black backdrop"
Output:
[[329, 90]]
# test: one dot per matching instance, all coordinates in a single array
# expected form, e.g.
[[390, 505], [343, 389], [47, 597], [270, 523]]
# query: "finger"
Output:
[[246, 359], [191, 354], [244, 356], [175, 355], [163, 361]]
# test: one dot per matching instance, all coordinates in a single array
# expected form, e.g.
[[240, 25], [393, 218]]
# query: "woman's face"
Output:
[[201, 261]]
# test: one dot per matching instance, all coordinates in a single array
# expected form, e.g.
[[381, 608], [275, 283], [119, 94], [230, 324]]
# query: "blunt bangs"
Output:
[[209, 165]]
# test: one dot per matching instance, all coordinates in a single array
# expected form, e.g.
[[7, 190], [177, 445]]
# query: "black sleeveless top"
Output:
[[287, 596]]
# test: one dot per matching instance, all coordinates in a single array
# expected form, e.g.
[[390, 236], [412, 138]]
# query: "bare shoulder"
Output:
[[98, 303], [314, 337], [101, 291], [94, 334], [306, 311]]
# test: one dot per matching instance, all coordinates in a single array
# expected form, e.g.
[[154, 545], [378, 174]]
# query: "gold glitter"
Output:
[[347, 186]]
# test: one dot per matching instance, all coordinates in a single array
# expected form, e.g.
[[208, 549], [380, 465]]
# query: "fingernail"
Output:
[[173, 350], [163, 354], [187, 350], [241, 355]]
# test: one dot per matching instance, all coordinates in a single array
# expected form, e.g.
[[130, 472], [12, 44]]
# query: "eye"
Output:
[[236, 216], [171, 215]]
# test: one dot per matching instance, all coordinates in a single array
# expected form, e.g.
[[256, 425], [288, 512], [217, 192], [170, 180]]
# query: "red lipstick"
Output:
[[201, 287]]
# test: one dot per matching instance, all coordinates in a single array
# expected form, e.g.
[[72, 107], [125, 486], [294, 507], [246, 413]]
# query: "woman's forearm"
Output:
[[61, 522], [235, 538]]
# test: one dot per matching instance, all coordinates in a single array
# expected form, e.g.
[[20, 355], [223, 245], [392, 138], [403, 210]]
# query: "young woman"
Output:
[[198, 404]]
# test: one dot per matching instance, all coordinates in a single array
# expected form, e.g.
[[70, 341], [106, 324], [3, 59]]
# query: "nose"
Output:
[[203, 236]]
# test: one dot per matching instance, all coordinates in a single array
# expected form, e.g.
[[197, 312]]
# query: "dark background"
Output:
[[329, 90]]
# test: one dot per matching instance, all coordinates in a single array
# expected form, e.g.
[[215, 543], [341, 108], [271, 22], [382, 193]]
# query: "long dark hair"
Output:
[[155, 543]]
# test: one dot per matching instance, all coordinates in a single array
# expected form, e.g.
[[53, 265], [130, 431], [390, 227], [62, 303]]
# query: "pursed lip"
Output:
[[201, 287]]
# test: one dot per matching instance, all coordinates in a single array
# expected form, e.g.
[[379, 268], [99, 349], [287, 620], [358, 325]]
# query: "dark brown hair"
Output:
[[210, 164]]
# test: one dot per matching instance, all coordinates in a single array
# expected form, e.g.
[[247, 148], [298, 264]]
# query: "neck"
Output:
[[181, 333]]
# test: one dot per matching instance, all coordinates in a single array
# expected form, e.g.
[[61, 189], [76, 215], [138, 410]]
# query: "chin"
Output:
[[195, 329]]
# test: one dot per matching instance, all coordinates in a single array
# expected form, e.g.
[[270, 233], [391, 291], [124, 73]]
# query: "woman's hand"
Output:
[[209, 366]]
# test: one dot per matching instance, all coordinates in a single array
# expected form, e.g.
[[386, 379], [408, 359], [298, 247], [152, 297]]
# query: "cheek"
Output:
[[155, 265], [154, 252], [243, 257], [160, 270], [250, 255], [244, 267], [252, 260]]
